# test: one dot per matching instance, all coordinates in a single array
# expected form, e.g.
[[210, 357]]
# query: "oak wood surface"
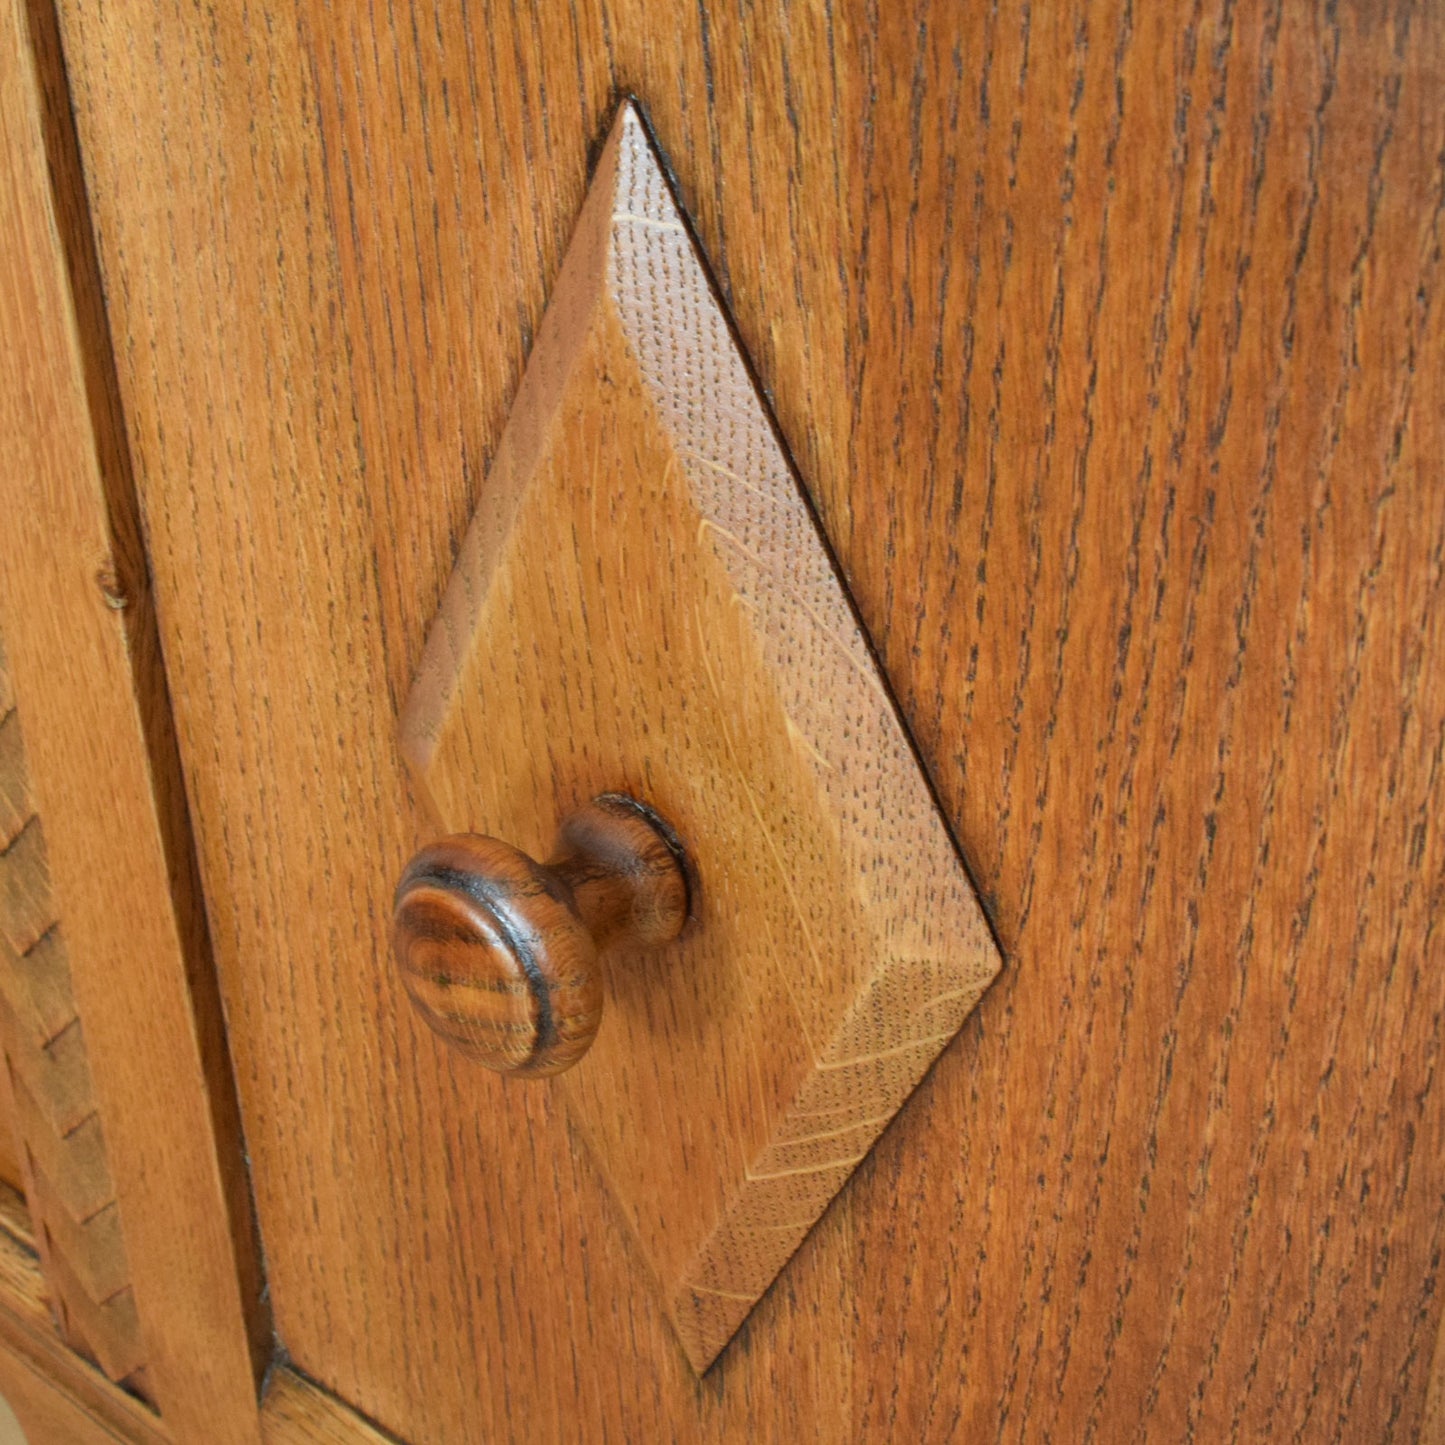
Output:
[[1432, 1423], [46, 1413], [12, 801], [49, 1091], [642, 601], [62, 1390], [9, 1153], [295, 1412], [1108, 341], [115, 863]]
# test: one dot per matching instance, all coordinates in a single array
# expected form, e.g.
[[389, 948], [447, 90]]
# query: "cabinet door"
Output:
[[1107, 342]]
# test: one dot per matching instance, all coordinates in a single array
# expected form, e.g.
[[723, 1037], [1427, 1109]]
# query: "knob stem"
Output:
[[624, 865]]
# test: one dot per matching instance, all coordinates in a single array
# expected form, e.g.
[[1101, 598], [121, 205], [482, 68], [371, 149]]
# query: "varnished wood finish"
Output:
[[47, 1413], [1432, 1426], [498, 953], [9, 1153], [13, 796], [643, 598], [117, 867], [63, 1392], [1108, 340], [296, 1412], [49, 1087]]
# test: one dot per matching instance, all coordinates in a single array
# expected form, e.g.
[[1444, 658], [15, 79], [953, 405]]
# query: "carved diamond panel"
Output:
[[644, 604]]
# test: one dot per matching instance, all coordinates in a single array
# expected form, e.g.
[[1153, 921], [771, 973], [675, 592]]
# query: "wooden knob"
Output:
[[498, 953]]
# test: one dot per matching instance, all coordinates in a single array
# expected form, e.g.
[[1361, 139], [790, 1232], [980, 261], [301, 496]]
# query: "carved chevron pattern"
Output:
[[68, 1184]]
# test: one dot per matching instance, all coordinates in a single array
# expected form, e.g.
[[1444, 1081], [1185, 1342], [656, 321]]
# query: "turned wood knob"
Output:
[[498, 953]]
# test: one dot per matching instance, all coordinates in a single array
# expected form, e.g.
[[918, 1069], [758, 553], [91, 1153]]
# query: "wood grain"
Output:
[[45, 1412], [10, 807], [1108, 342], [1432, 1423], [115, 865], [50, 1092], [9, 1154], [13, 798], [67, 1395], [296, 1412], [643, 602]]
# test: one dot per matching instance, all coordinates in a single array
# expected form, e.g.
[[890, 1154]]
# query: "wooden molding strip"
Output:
[[90, 1407], [44, 1410], [295, 1411], [104, 775], [68, 1182]]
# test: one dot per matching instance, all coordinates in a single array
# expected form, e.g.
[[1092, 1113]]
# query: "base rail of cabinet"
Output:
[[57, 1395], [49, 1386]]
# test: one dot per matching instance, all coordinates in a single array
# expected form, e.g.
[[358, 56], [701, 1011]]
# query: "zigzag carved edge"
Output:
[[68, 1185]]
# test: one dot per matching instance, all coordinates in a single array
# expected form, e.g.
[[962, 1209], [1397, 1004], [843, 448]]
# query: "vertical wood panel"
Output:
[[1108, 340], [103, 773]]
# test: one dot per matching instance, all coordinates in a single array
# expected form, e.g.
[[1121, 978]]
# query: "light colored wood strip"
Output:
[[296, 1411], [12, 1174], [103, 774], [44, 1411], [15, 806]]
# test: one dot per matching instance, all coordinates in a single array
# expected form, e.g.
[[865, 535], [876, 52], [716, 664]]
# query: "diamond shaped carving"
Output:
[[643, 604]]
